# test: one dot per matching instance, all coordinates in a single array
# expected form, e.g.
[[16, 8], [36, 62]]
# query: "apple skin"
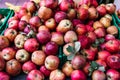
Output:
[[57, 75], [22, 55], [26, 18], [4, 42], [93, 13], [97, 24], [70, 36], [82, 13], [13, 67], [2, 63], [22, 24], [28, 66], [52, 62], [112, 30], [109, 37], [112, 74], [29, 46], [22, 12], [100, 32], [10, 34], [105, 21], [43, 27], [31, 6], [51, 3], [78, 75], [78, 62], [35, 75], [8, 53], [102, 63], [36, 59], [110, 8], [71, 14], [80, 29], [101, 10], [97, 74], [91, 35], [86, 68], [50, 24], [45, 71], [4, 76], [13, 24]]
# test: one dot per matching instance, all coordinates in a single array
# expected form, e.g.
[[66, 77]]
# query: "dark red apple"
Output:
[[86, 68], [82, 13], [45, 71], [22, 25], [51, 3], [92, 36], [80, 29], [76, 22], [101, 10], [4, 76]]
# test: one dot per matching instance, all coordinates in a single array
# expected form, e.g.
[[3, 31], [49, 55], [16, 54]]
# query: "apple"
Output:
[[97, 74], [35, 21], [109, 37], [112, 30], [94, 3], [100, 32], [101, 63], [50, 24], [2, 63], [22, 12], [4, 42], [28, 66], [89, 27], [71, 14], [8, 53], [31, 6], [97, 24], [87, 2], [85, 6], [43, 37], [86, 68], [28, 28], [76, 22], [112, 45], [108, 16], [112, 74], [110, 8], [101, 10], [51, 48], [103, 55], [52, 62], [80, 29], [92, 36], [22, 24], [22, 55], [29, 46], [45, 71], [43, 27], [65, 51], [57, 38], [70, 36], [13, 18], [78, 62], [51, 3], [4, 76], [13, 67], [38, 57], [20, 40], [44, 13], [93, 13], [10, 34], [57, 75], [82, 13], [113, 61], [78, 75], [13, 24], [35, 75], [42, 3], [105, 21], [26, 18], [64, 26], [60, 15], [67, 68]]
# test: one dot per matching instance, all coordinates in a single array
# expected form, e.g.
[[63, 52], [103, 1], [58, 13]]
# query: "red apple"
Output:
[[60, 15], [87, 2], [13, 67], [26, 17], [101, 63], [71, 14], [70, 36], [82, 13], [13, 18], [78, 62], [110, 8], [89, 28], [78, 75], [100, 32], [109, 37], [13, 24], [28, 28], [94, 3], [2, 63], [112, 74], [92, 36], [64, 26], [8, 53], [52, 62], [112, 45], [10, 34], [35, 75], [93, 13], [113, 61], [98, 75], [22, 25], [50, 24], [43, 37], [43, 27], [4, 76], [112, 30], [22, 55], [42, 3], [28, 66], [80, 29], [29, 46], [86, 68], [51, 3], [31, 6], [67, 68], [57, 38], [38, 57], [76, 22], [101, 10], [22, 12], [57, 75], [45, 71], [103, 55]]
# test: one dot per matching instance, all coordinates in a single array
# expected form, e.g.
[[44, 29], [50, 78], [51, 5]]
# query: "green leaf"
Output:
[[70, 49], [77, 46], [70, 57], [101, 40], [101, 68]]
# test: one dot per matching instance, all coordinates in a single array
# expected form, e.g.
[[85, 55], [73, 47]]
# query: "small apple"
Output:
[[109, 37], [50, 24], [26, 18]]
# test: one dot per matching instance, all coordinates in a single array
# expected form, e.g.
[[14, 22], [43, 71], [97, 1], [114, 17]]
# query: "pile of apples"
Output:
[[34, 35]]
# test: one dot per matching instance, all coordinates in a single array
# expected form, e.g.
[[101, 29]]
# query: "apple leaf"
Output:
[[70, 49], [77, 46], [101, 40], [70, 57], [101, 68]]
